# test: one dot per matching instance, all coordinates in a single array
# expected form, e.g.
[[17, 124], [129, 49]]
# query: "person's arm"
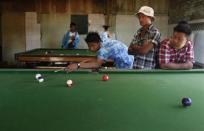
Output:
[[131, 49], [64, 42], [86, 65], [144, 49], [177, 66], [76, 41], [132, 44]]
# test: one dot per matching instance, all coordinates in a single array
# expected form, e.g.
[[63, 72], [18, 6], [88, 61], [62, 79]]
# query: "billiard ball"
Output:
[[37, 76], [47, 52], [69, 83], [186, 101], [41, 79], [105, 77], [77, 53]]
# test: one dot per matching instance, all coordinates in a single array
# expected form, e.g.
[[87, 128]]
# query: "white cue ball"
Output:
[[37, 76], [69, 83], [41, 80]]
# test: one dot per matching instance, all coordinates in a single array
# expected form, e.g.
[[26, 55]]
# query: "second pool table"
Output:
[[55, 55], [49, 57]]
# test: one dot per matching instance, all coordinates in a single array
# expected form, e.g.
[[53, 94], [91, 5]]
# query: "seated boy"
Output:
[[106, 49], [177, 52]]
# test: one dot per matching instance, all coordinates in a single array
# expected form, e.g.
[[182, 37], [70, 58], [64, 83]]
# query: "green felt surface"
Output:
[[129, 101], [83, 52]]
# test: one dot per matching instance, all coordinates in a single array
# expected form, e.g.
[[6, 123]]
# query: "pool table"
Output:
[[128, 101], [55, 55], [49, 57]]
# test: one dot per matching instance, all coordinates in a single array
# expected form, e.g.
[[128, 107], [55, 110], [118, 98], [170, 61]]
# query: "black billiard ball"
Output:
[[186, 102]]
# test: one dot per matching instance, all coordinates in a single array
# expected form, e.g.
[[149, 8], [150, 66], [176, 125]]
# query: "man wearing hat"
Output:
[[145, 43]]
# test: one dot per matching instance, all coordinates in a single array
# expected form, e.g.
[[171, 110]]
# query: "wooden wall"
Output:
[[13, 35], [83, 6]]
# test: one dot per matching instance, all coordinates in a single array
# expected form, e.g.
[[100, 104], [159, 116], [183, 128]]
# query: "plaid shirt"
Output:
[[147, 61], [168, 54]]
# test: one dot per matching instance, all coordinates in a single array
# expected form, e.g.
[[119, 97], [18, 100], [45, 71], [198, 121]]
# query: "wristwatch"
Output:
[[78, 65]]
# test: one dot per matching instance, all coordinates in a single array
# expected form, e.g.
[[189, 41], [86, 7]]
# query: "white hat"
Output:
[[146, 10]]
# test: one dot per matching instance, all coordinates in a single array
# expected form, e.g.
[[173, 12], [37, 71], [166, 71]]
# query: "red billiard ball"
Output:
[[105, 77]]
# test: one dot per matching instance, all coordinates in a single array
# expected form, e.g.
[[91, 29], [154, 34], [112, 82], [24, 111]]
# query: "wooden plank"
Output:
[[61, 6]]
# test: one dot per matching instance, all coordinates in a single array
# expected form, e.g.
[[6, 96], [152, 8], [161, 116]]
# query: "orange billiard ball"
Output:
[[105, 77]]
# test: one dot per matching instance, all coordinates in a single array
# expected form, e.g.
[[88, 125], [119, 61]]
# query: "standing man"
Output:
[[71, 38], [145, 43]]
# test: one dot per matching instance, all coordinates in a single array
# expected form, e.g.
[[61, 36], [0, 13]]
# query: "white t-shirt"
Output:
[[71, 34]]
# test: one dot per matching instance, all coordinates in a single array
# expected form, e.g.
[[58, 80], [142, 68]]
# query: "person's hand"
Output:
[[72, 38], [133, 49], [130, 49], [72, 67]]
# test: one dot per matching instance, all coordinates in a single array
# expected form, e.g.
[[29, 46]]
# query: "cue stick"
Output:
[[61, 69]]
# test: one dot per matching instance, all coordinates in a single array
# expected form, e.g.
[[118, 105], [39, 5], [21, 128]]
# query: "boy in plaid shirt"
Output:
[[177, 52]]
